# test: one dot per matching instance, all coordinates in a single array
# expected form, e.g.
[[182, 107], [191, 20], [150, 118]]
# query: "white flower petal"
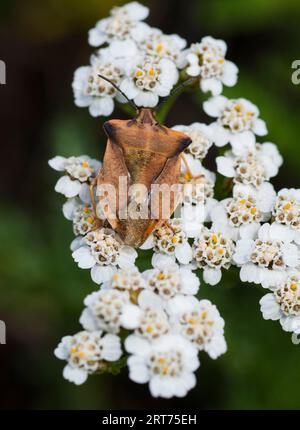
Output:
[[131, 316], [83, 257], [269, 307], [184, 253], [211, 84], [225, 166], [57, 163], [77, 376], [259, 127], [212, 276], [66, 186], [214, 105], [100, 274]]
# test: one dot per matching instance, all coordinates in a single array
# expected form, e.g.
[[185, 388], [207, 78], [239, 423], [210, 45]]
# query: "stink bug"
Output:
[[144, 152]]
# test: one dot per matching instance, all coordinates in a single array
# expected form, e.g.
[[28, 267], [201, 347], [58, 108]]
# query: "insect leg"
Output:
[[92, 194], [186, 165]]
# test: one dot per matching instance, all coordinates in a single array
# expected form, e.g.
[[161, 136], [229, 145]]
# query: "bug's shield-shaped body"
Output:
[[146, 156]]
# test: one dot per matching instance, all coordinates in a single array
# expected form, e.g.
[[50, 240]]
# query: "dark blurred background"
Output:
[[42, 43]]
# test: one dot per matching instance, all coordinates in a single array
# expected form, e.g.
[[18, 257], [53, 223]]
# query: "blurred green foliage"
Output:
[[41, 288]]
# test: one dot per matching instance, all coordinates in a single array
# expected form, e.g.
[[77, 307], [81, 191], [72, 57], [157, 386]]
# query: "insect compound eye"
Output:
[[110, 130], [184, 143]]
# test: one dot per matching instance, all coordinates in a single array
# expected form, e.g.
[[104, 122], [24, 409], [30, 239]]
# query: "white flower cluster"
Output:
[[252, 228], [144, 62], [169, 327]]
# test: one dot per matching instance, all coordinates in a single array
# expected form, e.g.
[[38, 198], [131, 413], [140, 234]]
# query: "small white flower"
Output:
[[286, 212], [104, 310], [167, 364], [199, 322], [201, 136], [87, 353], [212, 251], [170, 239], [198, 182], [240, 215], [148, 79], [103, 252], [91, 91], [198, 194], [265, 260], [78, 171], [283, 303], [148, 317], [129, 279], [157, 44], [169, 279], [207, 60], [237, 121], [250, 166], [122, 24], [81, 214]]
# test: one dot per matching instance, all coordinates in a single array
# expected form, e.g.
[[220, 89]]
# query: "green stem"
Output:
[[126, 108]]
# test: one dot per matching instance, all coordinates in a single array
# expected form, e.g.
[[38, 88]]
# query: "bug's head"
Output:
[[143, 115], [147, 115]]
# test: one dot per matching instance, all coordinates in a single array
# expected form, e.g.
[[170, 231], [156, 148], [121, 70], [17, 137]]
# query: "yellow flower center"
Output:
[[159, 47], [214, 238], [293, 286], [90, 220]]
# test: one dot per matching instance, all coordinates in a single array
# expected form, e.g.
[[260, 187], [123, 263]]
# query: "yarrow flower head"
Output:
[[286, 212], [198, 191], [104, 309], [166, 363], [202, 138], [207, 61], [87, 353], [79, 171], [81, 214], [129, 279], [264, 260], [237, 120], [168, 279], [240, 216], [91, 91], [147, 317], [170, 239], [157, 44], [200, 323], [123, 23], [250, 165], [283, 303], [102, 251], [148, 79], [212, 251]]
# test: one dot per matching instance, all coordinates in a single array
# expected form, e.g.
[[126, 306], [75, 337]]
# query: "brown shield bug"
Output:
[[147, 154]]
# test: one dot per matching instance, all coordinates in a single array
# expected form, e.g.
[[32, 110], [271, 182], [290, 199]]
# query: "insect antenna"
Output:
[[175, 90], [131, 102]]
